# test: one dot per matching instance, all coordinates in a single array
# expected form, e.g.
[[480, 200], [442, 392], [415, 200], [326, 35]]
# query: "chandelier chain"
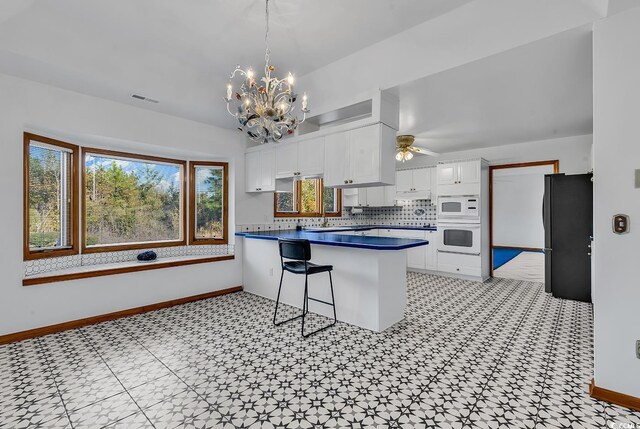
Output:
[[267, 52]]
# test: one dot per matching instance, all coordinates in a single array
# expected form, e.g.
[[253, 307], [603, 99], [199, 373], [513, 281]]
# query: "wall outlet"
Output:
[[638, 349]]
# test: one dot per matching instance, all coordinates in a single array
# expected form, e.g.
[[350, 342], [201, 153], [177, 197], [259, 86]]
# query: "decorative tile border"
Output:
[[39, 266], [411, 213]]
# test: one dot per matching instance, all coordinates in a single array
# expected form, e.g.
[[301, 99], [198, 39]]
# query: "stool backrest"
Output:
[[296, 249]]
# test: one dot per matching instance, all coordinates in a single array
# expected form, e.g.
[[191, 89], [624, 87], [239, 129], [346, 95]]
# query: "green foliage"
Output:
[[125, 207], [209, 204], [309, 196], [44, 197]]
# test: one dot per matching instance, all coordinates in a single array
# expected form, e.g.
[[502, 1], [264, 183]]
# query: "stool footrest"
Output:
[[321, 301]]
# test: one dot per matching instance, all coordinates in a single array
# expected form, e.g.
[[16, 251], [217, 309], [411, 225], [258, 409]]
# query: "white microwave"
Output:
[[466, 208]]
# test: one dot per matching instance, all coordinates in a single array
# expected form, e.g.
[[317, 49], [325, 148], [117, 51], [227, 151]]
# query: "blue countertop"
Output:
[[330, 239]]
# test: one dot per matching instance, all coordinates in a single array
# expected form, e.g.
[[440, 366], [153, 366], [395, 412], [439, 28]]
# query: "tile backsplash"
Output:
[[418, 212]]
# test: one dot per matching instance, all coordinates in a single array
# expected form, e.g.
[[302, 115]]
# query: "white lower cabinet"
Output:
[[459, 263], [432, 251]]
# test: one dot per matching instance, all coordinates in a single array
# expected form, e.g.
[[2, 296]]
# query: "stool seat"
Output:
[[298, 267]]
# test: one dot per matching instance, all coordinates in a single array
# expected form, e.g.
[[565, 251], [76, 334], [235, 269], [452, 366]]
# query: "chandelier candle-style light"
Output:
[[265, 107]]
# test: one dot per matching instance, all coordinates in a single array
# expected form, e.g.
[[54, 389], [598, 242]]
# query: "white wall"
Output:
[[517, 206], [468, 33], [616, 156], [85, 120], [574, 154]]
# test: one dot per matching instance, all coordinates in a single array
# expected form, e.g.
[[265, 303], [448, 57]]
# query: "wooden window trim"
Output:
[[297, 214], [193, 240], [29, 254], [133, 246]]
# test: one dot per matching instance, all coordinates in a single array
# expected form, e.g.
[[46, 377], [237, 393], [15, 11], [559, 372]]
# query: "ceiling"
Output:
[[181, 52], [538, 91]]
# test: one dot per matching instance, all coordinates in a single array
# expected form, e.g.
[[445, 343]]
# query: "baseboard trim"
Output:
[[65, 326], [617, 398]]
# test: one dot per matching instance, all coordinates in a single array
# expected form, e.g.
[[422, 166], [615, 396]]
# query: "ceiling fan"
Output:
[[406, 148]]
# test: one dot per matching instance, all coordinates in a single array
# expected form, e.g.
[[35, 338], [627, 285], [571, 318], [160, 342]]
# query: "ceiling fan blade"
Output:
[[423, 151]]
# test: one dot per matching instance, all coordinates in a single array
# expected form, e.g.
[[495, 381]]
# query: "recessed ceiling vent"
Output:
[[143, 98]]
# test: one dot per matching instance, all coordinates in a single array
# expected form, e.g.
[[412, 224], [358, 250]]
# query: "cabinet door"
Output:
[[286, 160], [447, 174], [432, 254], [404, 180], [252, 169], [267, 181], [375, 196], [421, 179], [433, 172], [364, 154], [311, 157], [469, 172], [336, 159], [363, 197], [416, 257]]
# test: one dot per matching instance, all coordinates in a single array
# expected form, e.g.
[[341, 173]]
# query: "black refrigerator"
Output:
[[567, 213]]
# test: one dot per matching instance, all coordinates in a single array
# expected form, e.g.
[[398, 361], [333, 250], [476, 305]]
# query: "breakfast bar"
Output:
[[369, 274]]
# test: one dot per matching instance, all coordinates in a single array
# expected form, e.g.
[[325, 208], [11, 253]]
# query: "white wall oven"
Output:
[[459, 238], [459, 208]]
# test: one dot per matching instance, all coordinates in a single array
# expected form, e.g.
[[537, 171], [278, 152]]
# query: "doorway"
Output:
[[516, 227]]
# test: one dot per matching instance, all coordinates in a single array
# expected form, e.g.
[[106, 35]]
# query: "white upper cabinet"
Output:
[[336, 159], [363, 156], [404, 180], [447, 174], [311, 157], [459, 178], [414, 184], [421, 179], [375, 196], [469, 172], [303, 159], [260, 171], [455, 173], [286, 160]]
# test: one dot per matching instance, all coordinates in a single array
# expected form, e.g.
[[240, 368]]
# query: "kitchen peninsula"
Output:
[[369, 274]]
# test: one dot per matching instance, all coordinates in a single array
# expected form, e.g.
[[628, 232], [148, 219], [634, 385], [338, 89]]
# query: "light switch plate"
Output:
[[638, 178]]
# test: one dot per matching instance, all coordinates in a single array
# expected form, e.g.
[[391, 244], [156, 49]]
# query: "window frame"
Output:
[[133, 246], [193, 240], [29, 254], [298, 202]]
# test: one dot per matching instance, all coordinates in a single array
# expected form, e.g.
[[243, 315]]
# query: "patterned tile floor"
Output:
[[502, 354]]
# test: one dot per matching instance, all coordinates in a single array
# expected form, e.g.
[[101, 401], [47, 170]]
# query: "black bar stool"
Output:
[[299, 253]]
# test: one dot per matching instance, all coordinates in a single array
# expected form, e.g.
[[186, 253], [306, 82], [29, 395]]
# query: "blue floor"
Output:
[[503, 255]]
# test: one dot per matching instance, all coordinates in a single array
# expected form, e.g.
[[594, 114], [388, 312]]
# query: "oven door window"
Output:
[[451, 207], [458, 237]]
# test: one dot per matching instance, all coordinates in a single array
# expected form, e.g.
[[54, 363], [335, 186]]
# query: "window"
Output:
[[308, 198], [50, 197], [208, 202], [132, 201]]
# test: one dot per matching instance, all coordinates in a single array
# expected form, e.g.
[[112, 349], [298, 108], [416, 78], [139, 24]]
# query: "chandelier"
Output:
[[264, 108]]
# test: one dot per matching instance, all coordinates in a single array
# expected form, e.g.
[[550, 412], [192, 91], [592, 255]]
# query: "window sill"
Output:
[[87, 271]]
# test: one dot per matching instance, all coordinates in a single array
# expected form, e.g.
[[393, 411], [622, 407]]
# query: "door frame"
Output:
[[556, 170]]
